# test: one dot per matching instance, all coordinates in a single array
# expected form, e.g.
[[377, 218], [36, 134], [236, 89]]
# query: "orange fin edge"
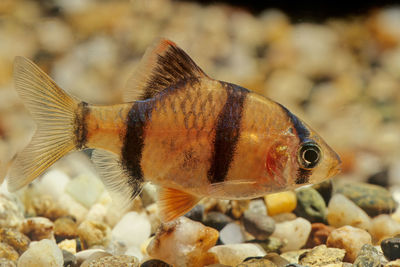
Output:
[[174, 203]]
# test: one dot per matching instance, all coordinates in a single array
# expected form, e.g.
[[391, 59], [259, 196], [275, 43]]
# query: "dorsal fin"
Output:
[[163, 65]]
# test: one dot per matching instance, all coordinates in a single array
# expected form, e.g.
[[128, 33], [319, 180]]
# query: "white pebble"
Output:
[[85, 189], [73, 207], [231, 234], [234, 254], [132, 230], [97, 213], [53, 183], [295, 232], [41, 253], [342, 211], [384, 226]]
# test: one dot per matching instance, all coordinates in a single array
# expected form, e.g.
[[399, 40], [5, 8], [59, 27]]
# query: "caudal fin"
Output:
[[54, 113]]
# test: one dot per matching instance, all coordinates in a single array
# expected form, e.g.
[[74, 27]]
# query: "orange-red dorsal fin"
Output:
[[163, 65], [174, 203]]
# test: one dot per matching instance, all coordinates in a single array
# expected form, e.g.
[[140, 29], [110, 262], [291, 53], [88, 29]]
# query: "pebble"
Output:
[[368, 256], [391, 248], [373, 199], [293, 256], [324, 189], [53, 183], [257, 261], [216, 220], [238, 207], [342, 211], [152, 211], [68, 245], [383, 226], [65, 228], [8, 252], [271, 244], [283, 217], [280, 202], [275, 258], [259, 225], [257, 206], [7, 263], [197, 213], [11, 215], [14, 238], [155, 263], [184, 242], [321, 255], [38, 228], [45, 206], [42, 253], [69, 259], [115, 261], [349, 238], [310, 205], [319, 234], [93, 233], [231, 234], [73, 207], [296, 233], [234, 254], [132, 230], [90, 254], [86, 189], [97, 213], [148, 194]]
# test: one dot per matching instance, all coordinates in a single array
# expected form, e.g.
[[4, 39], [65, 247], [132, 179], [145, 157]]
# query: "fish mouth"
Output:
[[334, 170]]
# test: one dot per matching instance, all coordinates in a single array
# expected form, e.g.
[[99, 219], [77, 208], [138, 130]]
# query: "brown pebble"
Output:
[[65, 228], [92, 233], [8, 252], [319, 234], [94, 257], [38, 228], [17, 240]]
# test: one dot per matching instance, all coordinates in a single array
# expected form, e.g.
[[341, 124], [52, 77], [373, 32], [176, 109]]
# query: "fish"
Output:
[[189, 134]]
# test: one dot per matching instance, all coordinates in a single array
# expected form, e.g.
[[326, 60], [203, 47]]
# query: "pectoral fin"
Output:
[[174, 203]]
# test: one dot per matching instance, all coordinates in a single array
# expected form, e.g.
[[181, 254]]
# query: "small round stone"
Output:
[[350, 239], [38, 228], [321, 255], [92, 233], [255, 262], [280, 202], [295, 233], [14, 238], [115, 261], [155, 263], [368, 256], [310, 205], [196, 214], [391, 248], [42, 253], [8, 252], [65, 228], [319, 234], [231, 234], [259, 225], [217, 220]]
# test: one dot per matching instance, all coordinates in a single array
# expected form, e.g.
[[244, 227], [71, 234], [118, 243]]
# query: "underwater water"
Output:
[[340, 74]]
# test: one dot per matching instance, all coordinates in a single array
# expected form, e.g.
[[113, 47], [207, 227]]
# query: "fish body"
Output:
[[192, 135]]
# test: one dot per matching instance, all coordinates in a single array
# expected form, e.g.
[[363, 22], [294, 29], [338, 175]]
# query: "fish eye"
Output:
[[309, 155]]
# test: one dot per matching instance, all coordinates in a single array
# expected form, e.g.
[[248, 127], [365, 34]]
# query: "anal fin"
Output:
[[122, 187], [174, 203]]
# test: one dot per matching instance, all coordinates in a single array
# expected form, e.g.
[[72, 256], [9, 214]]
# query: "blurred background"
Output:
[[336, 66]]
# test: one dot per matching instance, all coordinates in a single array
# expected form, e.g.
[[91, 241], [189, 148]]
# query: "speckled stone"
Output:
[[310, 205], [155, 263], [368, 256], [115, 261], [259, 225], [217, 220], [14, 238], [321, 255], [293, 256], [8, 252], [391, 248], [373, 199]]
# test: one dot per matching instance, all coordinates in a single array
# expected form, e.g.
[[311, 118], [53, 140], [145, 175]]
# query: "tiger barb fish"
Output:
[[191, 135]]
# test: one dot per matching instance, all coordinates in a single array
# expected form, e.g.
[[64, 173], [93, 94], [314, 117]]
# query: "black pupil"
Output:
[[310, 155]]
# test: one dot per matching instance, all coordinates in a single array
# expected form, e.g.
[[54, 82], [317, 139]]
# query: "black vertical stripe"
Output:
[[227, 132], [81, 125], [132, 149]]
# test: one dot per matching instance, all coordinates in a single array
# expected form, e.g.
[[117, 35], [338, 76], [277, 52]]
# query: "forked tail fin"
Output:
[[55, 115]]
